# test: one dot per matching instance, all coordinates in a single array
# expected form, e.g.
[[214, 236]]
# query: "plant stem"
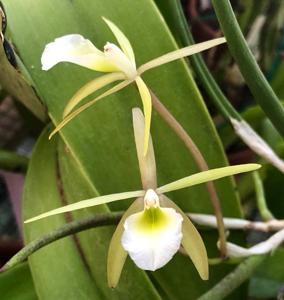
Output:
[[179, 25], [200, 161], [61, 232], [249, 68], [12, 161], [173, 12], [232, 281], [265, 213]]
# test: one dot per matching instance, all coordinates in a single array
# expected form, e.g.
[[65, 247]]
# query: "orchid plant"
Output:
[[153, 228], [118, 62]]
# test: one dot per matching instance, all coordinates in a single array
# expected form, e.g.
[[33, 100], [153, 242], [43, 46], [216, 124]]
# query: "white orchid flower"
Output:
[[119, 62], [153, 228]]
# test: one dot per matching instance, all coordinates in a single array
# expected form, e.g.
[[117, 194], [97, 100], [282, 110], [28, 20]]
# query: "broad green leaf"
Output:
[[58, 270], [90, 88], [191, 241], [101, 139], [116, 254], [206, 176], [87, 203], [17, 284], [96, 243]]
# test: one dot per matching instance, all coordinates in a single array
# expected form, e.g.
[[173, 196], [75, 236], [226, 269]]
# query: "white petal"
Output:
[[152, 237], [120, 60], [76, 49]]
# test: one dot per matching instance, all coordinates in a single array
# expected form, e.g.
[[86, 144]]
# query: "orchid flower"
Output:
[[118, 62], [153, 228]]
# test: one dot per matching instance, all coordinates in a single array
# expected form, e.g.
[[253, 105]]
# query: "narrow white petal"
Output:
[[206, 176], [180, 53], [122, 40], [147, 164], [192, 241], [147, 108], [76, 49], [152, 237], [88, 203], [76, 112], [90, 88]]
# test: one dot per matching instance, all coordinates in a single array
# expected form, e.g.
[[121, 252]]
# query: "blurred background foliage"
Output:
[[80, 160]]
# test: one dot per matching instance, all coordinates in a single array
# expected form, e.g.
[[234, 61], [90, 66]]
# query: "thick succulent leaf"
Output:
[[17, 284], [191, 241], [101, 140], [147, 163], [206, 176], [40, 194], [90, 88], [116, 254]]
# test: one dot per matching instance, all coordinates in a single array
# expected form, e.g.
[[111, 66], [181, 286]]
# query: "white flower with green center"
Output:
[[153, 228], [119, 62], [153, 236]]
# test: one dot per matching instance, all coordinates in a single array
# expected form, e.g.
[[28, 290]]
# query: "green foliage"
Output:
[[17, 284], [95, 154]]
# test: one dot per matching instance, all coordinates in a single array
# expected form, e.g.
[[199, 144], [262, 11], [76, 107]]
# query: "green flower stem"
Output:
[[260, 198], [249, 68], [61, 232], [232, 281], [200, 161], [12, 161]]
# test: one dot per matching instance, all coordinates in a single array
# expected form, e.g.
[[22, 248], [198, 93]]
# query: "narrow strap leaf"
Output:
[[72, 115], [122, 40], [90, 88], [191, 241], [147, 164], [116, 254], [88, 203], [180, 53], [206, 176], [147, 107]]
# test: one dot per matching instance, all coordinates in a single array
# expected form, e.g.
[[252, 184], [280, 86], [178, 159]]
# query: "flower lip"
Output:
[[151, 199], [152, 237]]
